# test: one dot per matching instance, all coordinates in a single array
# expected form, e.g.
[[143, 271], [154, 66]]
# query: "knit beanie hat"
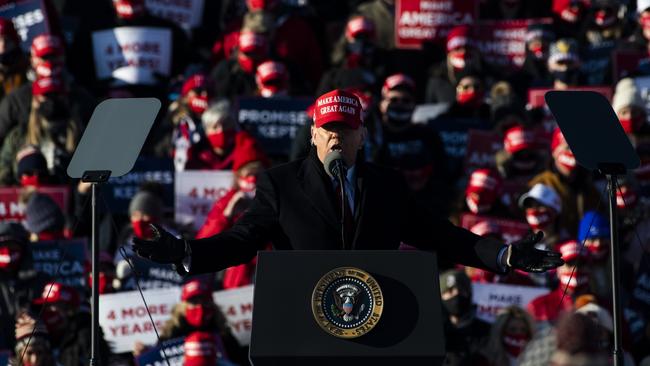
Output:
[[29, 160], [42, 214], [147, 203], [593, 225], [626, 95]]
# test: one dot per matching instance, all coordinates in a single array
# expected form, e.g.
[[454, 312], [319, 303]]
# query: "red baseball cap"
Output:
[[398, 80], [359, 26], [58, 292], [458, 37], [200, 349], [518, 138], [272, 71], [47, 85], [483, 180], [47, 44], [570, 250], [254, 5], [194, 82], [252, 42], [338, 106], [195, 288]]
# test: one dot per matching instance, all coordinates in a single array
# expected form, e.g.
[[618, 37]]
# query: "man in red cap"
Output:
[[272, 79], [296, 207], [67, 325]]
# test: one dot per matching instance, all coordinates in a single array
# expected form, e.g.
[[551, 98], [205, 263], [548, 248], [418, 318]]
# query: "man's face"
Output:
[[338, 136]]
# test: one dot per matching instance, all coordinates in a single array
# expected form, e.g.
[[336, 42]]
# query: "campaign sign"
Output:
[[510, 230], [173, 351], [237, 306], [422, 21], [503, 43], [12, 210], [187, 14], [536, 95], [273, 121], [124, 319], [29, 17], [490, 298], [170, 351], [151, 275], [196, 192], [481, 147], [597, 62], [62, 260], [118, 191], [628, 62], [454, 134], [133, 55]]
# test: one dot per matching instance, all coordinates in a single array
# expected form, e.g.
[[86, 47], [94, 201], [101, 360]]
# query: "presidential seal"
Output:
[[347, 302]]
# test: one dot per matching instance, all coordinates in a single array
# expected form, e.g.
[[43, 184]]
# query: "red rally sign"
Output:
[[421, 21]]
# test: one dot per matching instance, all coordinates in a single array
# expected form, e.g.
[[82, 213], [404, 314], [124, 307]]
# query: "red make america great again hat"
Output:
[[338, 106]]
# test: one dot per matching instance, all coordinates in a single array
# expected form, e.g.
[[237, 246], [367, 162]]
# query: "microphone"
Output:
[[335, 165]]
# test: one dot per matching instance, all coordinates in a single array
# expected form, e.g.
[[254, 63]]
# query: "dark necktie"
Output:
[[348, 223]]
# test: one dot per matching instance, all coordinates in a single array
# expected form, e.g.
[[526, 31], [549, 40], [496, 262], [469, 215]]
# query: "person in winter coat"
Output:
[[573, 281], [51, 126], [47, 61], [521, 157], [198, 312], [13, 64], [43, 217], [181, 134], [465, 334], [570, 181], [19, 282], [462, 59], [510, 333], [235, 76], [224, 137], [231, 206], [68, 326]]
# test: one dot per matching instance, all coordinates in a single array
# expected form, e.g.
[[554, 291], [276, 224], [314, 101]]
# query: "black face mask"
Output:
[[398, 115], [568, 76], [53, 109], [458, 305]]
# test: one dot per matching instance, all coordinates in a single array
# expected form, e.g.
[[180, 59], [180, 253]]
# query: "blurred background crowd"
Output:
[[460, 113]]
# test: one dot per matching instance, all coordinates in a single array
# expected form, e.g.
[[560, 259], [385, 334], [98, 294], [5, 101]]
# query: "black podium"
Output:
[[402, 286]]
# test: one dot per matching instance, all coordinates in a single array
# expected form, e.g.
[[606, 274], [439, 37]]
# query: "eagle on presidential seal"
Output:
[[345, 299]]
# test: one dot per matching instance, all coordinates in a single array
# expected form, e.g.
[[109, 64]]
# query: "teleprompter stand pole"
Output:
[[612, 171], [95, 178]]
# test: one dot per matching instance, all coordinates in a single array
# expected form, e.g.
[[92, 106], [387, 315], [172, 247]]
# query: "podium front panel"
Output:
[[285, 330]]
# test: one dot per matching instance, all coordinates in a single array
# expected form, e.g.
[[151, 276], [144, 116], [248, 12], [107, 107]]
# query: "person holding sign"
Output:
[[295, 208], [229, 208]]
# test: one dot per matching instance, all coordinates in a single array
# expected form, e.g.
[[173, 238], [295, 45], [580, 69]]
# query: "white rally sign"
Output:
[[124, 320], [132, 55], [187, 14], [237, 306], [490, 298], [196, 191]]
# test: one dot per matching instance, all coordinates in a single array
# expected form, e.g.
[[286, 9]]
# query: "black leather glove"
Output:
[[163, 248], [523, 255]]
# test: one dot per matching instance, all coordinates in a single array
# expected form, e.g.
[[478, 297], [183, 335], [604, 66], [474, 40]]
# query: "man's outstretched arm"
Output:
[[234, 246]]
